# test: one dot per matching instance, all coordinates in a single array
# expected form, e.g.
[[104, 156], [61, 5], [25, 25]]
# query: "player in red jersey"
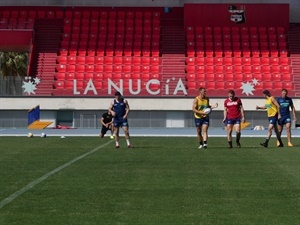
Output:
[[233, 116]]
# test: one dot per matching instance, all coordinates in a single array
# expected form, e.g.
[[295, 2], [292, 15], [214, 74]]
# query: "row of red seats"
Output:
[[237, 85], [110, 44], [16, 23], [112, 14], [85, 14], [111, 29], [112, 22], [103, 37], [286, 69], [237, 45], [104, 76], [238, 61], [83, 68], [108, 60], [236, 37], [234, 30], [237, 53], [246, 77], [110, 52]]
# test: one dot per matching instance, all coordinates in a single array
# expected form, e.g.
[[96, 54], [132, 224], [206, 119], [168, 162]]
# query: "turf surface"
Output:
[[161, 181]]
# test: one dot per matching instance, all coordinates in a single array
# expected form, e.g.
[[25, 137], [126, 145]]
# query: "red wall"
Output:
[[257, 15], [15, 40]]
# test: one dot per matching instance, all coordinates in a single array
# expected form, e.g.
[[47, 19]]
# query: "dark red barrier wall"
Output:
[[15, 40], [256, 15]]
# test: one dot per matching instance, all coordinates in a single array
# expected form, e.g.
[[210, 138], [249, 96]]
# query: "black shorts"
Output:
[[104, 130]]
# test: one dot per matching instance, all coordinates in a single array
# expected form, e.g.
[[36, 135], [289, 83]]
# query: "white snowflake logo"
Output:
[[248, 87], [30, 86]]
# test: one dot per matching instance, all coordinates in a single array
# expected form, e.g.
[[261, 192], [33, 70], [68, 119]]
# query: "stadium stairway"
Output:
[[294, 49], [173, 53], [43, 60]]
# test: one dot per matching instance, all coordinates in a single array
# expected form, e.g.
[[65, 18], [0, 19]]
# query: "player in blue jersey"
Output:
[[286, 103], [119, 108]]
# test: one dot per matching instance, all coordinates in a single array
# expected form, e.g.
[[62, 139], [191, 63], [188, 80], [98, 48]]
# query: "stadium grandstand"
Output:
[[157, 53]]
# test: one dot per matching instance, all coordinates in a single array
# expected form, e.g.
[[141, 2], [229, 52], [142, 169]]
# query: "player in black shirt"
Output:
[[107, 124]]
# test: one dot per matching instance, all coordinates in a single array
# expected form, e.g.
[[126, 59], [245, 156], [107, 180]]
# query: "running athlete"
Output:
[[272, 107], [107, 124], [200, 103], [286, 103], [119, 108], [233, 116]]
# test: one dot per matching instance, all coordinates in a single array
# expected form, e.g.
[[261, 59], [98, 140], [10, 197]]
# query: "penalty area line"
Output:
[[32, 184]]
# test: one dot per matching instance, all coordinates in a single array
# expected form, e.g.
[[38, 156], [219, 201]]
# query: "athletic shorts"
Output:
[[104, 130], [273, 119], [233, 121], [200, 121], [120, 123], [284, 120]]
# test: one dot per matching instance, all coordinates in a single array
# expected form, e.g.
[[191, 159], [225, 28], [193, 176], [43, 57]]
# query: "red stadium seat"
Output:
[[244, 30], [70, 76], [200, 69], [230, 60], [267, 77], [275, 69], [58, 84], [219, 69], [235, 30], [60, 76], [210, 85], [219, 61], [271, 30], [226, 30], [237, 77], [276, 77], [234, 61], [255, 61], [219, 77], [265, 61], [285, 69], [277, 85]]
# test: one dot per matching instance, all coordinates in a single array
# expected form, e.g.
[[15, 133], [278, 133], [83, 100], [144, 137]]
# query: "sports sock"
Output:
[[238, 137], [127, 141], [267, 141], [201, 142], [230, 143], [117, 143]]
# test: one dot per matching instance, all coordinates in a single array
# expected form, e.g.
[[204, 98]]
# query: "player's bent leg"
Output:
[[269, 134], [103, 132]]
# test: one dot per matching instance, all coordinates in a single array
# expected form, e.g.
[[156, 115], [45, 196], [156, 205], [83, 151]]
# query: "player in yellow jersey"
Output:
[[200, 103], [272, 107]]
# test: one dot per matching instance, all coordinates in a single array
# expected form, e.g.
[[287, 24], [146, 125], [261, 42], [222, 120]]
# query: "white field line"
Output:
[[15, 195]]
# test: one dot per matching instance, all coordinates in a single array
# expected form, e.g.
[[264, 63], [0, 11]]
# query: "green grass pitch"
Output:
[[162, 181]]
